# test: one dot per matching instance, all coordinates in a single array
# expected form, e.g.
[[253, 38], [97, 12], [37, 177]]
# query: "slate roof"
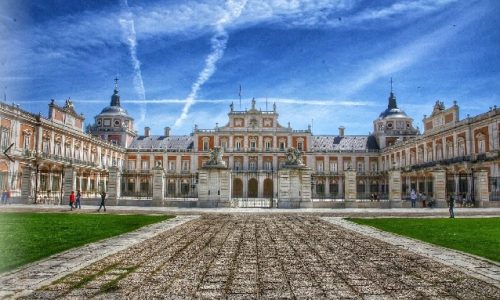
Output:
[[346, 143], [180, 142]]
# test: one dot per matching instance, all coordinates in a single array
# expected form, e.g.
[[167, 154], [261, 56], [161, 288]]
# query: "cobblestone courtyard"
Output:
[[266, 256]]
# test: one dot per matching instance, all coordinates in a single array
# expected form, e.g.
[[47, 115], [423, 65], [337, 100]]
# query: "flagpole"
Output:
[[240, 96]]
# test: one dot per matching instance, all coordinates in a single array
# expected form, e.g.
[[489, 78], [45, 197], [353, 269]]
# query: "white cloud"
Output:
[[408, 54]]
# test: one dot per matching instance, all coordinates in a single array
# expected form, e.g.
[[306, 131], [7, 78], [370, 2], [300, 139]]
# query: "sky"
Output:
[[325, 63]]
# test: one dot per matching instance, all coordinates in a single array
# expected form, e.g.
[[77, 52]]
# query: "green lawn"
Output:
[[479, 236], [27, 237]]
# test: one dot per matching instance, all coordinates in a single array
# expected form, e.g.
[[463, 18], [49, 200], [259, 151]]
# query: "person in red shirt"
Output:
[[72, 199]]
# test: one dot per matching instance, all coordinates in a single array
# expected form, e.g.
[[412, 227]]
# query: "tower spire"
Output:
[[392, 99], [115, 98]]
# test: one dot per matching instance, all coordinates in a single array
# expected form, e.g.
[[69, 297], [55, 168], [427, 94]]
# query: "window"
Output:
[[205, 144], [252, 165], [237, 165], [268, 145], [185, 165], [333, 167], [171, 165], [85, 154], [224, 144], [282, 145], [481, 144], [373, 166], [131, 164], [319, 166], [58, 149], [145, 164], [361, 167], [117, 123], [107, 122], [300, 146], [268, 165], [46, 146], [449, 151], [238, 145], [4, 137], [77, 153], [26, 141], [461, 147], [347, 165], [253, 144]]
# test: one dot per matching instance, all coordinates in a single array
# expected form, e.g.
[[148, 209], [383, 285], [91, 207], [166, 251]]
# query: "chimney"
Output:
[[167, 131], [341, 131], [146, 131]]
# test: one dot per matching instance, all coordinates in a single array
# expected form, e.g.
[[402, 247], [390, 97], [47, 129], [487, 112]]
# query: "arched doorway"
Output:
[[237, 188], [268, 188], [253, 188]]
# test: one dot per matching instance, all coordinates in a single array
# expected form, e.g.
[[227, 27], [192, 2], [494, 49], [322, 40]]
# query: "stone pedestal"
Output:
[[350, 188], [439, 187], [158, 186], [114, 186], [482, 195], [26, 186], [294, 189], [214, 186], [395, 189], [69, 183]]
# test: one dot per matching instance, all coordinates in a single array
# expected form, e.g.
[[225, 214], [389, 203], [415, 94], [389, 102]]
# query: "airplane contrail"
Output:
[[128, 28], [218, 43]]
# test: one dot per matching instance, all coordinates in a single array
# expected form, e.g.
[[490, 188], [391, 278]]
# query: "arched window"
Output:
[[461, 146]]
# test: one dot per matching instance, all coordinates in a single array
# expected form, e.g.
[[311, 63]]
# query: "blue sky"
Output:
[[181, 63]]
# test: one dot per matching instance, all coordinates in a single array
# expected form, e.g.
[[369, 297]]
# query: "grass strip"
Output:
[[28, 237], [478, 236]]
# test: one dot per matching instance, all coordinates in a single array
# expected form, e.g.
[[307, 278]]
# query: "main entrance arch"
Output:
[[268, 188], [237, 188], [253, 188]]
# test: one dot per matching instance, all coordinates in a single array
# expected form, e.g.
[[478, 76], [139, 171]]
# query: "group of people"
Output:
[[421, 196], [426, 202], [6, 197], [75, 200]]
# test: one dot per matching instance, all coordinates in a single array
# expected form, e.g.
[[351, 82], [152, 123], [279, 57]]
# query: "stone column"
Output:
[[158, 185], [69, 182], [294, 190], [439, 186], [350, 188], [26, 186], [395, 188], [214, 187], [482, 195], [114, 185]]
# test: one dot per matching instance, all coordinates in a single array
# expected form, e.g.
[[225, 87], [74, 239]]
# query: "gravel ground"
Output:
[[266, 256]]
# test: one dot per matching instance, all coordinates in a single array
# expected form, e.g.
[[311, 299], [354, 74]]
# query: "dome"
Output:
[[393, 113], [114, 110], [392, 110]]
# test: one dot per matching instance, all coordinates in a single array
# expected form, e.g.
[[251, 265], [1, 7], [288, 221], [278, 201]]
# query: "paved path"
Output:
[[472, 265], [25, 280], [243, 256], [341, 212]]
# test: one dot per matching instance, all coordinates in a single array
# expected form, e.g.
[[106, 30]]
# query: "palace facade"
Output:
[[50, 156]]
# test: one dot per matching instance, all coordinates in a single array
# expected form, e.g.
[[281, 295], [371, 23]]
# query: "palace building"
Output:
[[48, 157]]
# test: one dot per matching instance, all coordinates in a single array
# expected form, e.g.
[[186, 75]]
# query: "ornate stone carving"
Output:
[[216, 157], [293, 157]]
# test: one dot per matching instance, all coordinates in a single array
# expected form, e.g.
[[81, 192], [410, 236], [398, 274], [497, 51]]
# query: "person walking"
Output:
[[451, 205], [78, 198], [4, 197], [103, 198], [72, 199], [413, 197]]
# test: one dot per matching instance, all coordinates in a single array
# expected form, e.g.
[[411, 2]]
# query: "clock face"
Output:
[[117, 122]]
